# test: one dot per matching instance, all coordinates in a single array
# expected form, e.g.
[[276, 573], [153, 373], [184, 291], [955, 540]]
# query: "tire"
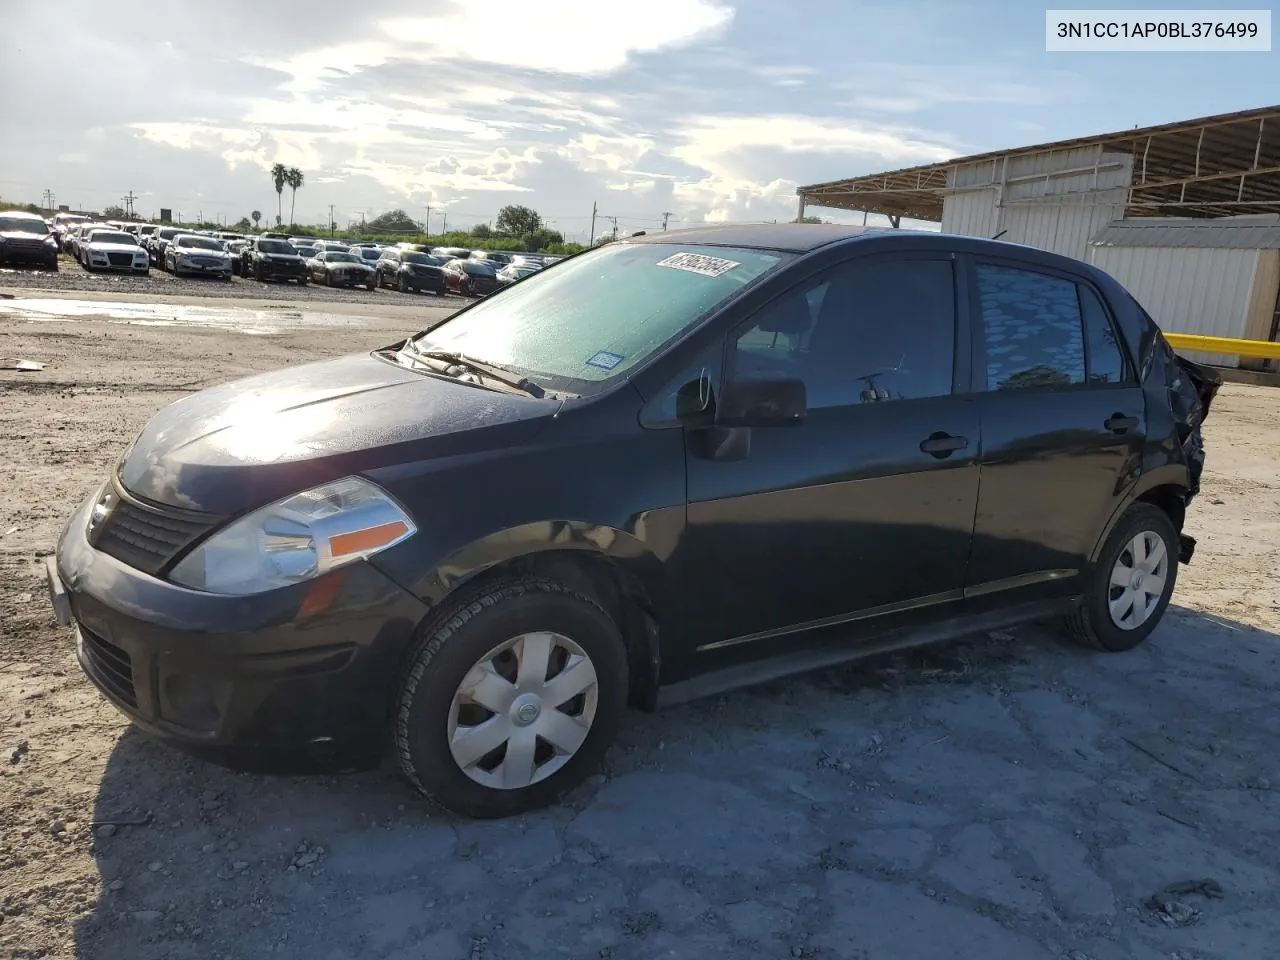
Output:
[[461, 639], [303, 281], [400, 285], [259, 275], [464, 288], [370, 286], [1094, 623]]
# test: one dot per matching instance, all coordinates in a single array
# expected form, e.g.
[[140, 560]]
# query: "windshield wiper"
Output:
[[490, 370]]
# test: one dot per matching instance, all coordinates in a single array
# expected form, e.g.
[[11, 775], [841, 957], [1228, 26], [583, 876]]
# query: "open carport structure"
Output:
[[1058, 195]]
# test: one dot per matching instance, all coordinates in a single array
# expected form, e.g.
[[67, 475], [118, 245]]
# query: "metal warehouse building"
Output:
[[1172, 211]]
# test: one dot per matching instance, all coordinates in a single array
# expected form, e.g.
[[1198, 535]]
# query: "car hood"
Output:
[[200, 252], [23, 235], [246, 443], [114, 248]]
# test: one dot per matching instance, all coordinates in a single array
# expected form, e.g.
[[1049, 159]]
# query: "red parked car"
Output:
[[471, 278]]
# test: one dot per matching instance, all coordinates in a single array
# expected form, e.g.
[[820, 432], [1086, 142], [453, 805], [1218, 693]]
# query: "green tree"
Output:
[[517, 221], [808, 220], [113, 212], [393, 221], [243, 224], [256, 215], [481, 231], [294, 178], [279, 177], [541, 239]]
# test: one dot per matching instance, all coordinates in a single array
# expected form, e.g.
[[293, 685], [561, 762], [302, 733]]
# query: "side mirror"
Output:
[[778, 402]]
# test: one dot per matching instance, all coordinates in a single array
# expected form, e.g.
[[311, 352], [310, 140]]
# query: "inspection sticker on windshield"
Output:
[[699, 263], [605, 360]]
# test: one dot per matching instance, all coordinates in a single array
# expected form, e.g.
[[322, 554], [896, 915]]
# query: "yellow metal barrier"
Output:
[[1263, 349]]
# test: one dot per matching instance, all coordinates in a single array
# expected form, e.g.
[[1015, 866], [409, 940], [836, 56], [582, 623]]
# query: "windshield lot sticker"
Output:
[[699, 263], [605, 360]]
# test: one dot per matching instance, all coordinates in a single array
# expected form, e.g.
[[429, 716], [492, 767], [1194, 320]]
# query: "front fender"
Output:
[[633, 556]]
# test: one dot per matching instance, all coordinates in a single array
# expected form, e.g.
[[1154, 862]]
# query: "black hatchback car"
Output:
[[662, 468]]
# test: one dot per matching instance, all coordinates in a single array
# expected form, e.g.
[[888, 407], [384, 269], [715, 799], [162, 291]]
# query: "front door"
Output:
[[867, 507], [1063, 425]]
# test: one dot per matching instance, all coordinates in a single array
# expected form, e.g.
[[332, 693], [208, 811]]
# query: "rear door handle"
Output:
[[1119, 423], [942, 444]]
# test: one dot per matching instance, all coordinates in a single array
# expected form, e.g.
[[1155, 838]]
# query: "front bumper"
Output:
[[280, 271], [221, 271], [301, 677], [28, 256], [347, 278]]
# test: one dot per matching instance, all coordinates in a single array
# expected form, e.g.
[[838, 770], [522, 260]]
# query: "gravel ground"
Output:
[[72, 278], [1008, 797]]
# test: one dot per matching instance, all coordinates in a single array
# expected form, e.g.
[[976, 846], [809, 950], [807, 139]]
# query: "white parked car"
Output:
[[112, 250], [191, 253]]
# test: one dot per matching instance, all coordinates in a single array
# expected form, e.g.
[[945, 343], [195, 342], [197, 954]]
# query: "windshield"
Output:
[[102, 236], [478, 268], [418, 258], [370, 253], [200, 243], [275, 246], [601, 313], [23, 225], [168, 233], [334, 257]]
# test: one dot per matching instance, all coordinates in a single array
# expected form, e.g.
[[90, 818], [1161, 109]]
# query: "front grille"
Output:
[[148, 539], [109, 667], [120, 259]]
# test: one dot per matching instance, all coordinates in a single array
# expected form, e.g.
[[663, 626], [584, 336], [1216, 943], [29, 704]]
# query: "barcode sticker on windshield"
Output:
[[699, 263]]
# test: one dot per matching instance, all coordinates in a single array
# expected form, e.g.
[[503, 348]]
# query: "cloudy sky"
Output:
[[704, 109]]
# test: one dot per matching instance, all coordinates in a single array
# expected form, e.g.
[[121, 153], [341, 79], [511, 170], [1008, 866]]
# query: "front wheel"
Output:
[[1131, 583], [512, 698]]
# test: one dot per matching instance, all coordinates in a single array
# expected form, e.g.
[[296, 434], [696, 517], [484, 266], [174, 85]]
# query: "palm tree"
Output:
[[279, 177], [294, 178], [257, 215]]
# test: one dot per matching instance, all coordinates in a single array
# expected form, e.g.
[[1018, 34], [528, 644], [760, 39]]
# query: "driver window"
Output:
[[859, 333]]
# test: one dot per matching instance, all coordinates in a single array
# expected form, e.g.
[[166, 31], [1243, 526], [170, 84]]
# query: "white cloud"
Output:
[[598, 154], [586, 37]]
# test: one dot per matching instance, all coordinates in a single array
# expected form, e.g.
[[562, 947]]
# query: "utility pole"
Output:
[[48, 200], [331, 220], [615, 226], [665, 218], [444, 222], [426, 224], [128, 204], [591, 242]]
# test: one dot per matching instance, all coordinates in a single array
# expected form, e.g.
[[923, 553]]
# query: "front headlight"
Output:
[[296, 539]]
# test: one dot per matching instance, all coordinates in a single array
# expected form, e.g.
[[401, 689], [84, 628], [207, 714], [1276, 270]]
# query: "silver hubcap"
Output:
[[1137, 580], [523, 710]]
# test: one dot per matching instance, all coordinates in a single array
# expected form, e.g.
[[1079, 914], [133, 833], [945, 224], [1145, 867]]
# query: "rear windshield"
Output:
[[168, 233], [338, 257], [275, 246], [478, 268], [419, 258]]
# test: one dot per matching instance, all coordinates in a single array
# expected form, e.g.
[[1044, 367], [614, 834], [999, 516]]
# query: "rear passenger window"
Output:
[[1106, 362], [1033, 329]]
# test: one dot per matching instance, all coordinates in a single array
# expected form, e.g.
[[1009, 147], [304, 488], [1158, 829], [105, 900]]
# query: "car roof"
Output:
[[789, 237], [21, 213]]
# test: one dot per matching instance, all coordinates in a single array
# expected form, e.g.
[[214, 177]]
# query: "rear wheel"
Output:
[[401, 285], [1131, 583], [512, 698], [259, 275]]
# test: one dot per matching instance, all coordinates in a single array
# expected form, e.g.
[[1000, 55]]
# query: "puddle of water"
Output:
[[238, 319]]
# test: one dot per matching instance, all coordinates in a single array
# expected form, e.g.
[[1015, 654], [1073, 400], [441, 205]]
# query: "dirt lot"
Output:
[[71, 278], [1011, 797]]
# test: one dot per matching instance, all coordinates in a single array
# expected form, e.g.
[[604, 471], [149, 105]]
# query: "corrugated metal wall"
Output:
[[1055, 201], [1187, 290], [970, 214]]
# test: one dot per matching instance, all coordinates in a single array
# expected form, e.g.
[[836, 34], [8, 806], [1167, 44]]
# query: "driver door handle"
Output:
[[942, 444], [1119, 423]]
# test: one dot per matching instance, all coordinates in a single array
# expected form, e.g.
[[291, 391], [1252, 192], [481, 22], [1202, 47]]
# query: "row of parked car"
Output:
[[407, 267]]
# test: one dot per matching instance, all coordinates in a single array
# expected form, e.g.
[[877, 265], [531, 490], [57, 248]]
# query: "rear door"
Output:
[[866, 509], [1063, 426]]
